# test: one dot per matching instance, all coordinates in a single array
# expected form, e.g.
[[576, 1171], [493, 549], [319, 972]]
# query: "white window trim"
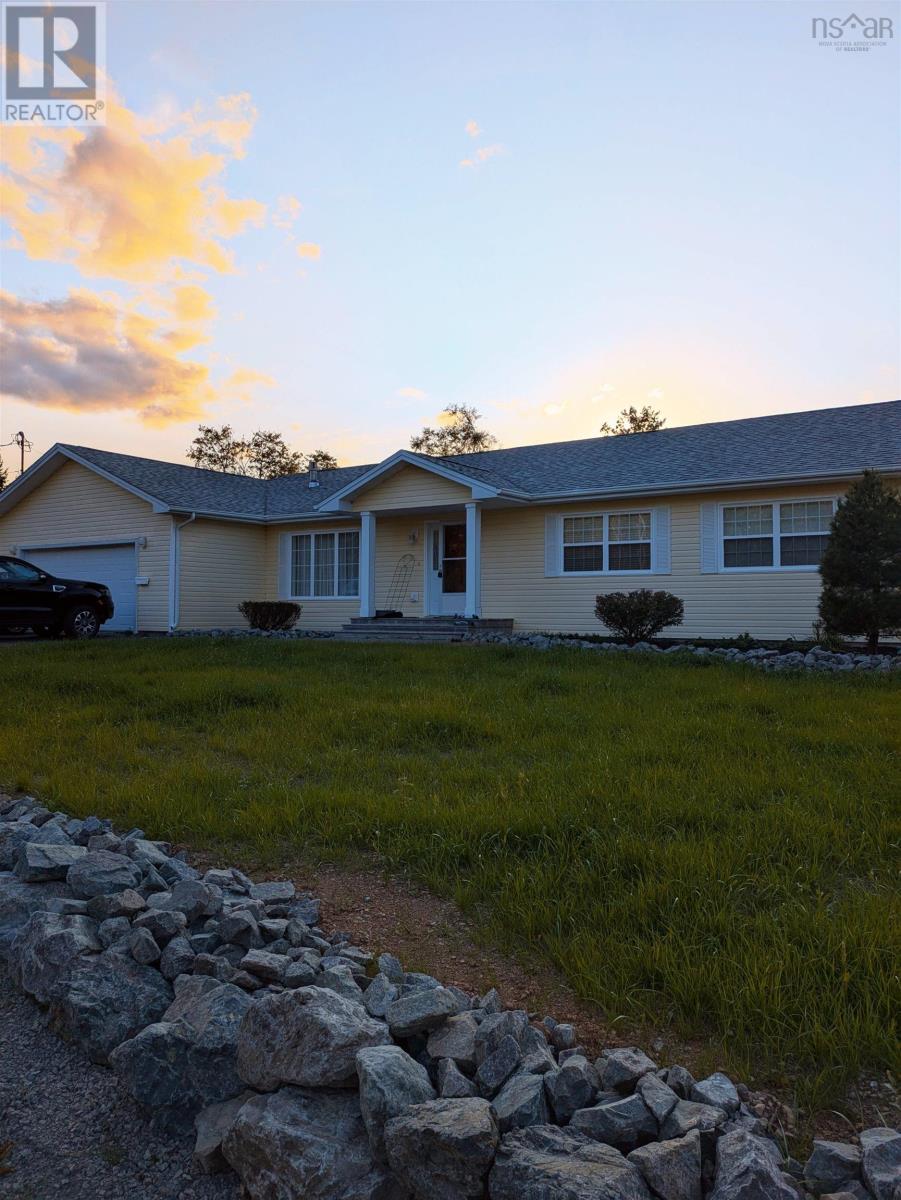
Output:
[[606, 514], [777, 567], [312, 533]]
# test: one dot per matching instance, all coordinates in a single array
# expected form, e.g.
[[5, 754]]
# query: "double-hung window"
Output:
[[804, 531], [629, 541], [607, 542], [789, 533], [325, 565], [583, 544]]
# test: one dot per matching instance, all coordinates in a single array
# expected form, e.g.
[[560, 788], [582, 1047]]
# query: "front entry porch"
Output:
[[449, 559]]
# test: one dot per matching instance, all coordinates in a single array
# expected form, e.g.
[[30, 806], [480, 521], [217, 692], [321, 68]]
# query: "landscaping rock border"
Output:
[[814, 659], [313, 1070]]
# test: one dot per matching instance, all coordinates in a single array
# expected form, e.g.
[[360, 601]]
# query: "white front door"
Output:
[[447, 569]]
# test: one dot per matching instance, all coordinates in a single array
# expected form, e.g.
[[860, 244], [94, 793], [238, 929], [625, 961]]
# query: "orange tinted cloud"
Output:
[[309, 250], [90, 353], [229, 123], [142, 201], [132, 199], [241, 384]]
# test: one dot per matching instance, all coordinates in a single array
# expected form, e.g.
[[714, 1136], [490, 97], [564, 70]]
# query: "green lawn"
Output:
[[686, 841]]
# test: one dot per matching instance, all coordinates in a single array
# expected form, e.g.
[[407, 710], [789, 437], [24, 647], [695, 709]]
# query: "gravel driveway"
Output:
[[75, 1133]]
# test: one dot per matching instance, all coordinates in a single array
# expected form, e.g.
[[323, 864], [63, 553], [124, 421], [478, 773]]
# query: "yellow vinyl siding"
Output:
[[392, 542], [411, 487], [770, 605], [74, 505], [222, 563]]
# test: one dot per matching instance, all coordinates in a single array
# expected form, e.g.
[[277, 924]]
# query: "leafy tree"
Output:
[[633, 420], [265, 454], [459, 434], [861, 565], [4, 478], [218, 450], [268, 457], [639, 615]]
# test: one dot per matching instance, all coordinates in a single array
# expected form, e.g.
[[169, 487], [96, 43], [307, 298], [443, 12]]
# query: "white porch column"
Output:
[[367, 564], [473, 560]]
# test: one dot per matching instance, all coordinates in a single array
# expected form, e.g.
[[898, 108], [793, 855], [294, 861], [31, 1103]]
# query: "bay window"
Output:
[[325, 565]]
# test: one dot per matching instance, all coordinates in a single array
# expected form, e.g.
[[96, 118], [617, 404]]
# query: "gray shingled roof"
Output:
[[195, 489], [798, 445], [803, 445]]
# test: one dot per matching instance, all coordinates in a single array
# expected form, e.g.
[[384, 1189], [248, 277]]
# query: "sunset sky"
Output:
[[335, 219]]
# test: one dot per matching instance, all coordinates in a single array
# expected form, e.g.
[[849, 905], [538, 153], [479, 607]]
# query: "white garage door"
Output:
[[112, 565]]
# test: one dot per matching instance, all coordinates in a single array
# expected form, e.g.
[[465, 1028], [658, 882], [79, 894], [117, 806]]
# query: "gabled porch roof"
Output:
[[478, 488]]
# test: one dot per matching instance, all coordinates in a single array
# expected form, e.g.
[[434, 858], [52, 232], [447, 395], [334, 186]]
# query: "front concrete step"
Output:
[[418, 629], [505, 623], [396, 636]]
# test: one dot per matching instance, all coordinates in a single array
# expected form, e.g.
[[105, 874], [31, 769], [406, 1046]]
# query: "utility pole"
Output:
[[23, 443]]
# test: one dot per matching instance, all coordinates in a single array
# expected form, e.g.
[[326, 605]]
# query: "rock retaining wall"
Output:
[[317, 1073]]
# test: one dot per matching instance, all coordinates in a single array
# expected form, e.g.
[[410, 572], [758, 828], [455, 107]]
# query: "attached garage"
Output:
[[115, 565], [74, 520]]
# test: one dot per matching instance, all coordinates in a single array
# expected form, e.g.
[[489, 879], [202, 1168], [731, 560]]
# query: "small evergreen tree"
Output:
[[861, 565], [4, 478]]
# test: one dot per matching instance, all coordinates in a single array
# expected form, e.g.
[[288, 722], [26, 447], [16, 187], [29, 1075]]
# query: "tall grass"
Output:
[[686, 841]]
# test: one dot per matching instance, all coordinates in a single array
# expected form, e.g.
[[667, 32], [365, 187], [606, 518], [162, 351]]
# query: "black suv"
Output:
[[30, 598]]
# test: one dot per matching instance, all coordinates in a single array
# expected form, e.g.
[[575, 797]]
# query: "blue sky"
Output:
[[692, 205]]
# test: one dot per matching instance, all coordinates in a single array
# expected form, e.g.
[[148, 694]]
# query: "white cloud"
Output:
[[472, 128], [287, 210], [482, 155], [602, 393]]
